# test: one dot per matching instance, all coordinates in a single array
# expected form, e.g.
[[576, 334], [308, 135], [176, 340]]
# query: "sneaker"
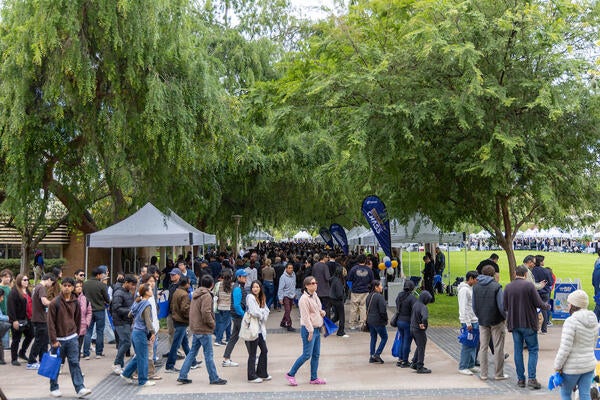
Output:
[[423, 370], [86, 357], [413, 366], [218, 344], [56, 393], [475, 370], [155, 378], [534, 384], [149, 383], [171, 370], [256, 380], [483, 377], [184, 381], [15, 363], [268, 378], [403, 364], [117, 369], [127, 380], [318, 381], [229, 363], [99, 356], [196, 365], [465, 371], [291, 380], [290, 329], [378, 359], [219, 382], [521, 383], [2, 362], [372, 360], [83, 392], [345, 336], [23, 357], [33, 366], [501, 378]]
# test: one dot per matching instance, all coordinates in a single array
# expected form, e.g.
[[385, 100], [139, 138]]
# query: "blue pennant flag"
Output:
[[376, 214], [326, 235], [339, 234]]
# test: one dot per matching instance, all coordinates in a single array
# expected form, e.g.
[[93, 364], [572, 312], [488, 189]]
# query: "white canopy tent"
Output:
[[302, 235], [260, 235], [353, 235], [147, 227]]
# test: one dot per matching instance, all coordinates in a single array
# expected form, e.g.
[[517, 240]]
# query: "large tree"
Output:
[[477, 111]]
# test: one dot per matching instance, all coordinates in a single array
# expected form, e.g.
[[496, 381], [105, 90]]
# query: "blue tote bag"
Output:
[[397, 345], [50, 365], [330, 326]]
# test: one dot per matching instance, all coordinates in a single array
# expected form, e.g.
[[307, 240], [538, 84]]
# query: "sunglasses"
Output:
[[25, 280], [313, 283]]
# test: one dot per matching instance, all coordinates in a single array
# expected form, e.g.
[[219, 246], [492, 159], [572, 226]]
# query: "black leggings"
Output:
[[27, 332], [420, 338]]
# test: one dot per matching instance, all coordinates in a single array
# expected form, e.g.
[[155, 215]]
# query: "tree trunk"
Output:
[[510, 254], [25, 254]]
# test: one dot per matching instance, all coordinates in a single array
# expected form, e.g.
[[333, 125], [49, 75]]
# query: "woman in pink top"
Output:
[[311, 321], [86, 312]]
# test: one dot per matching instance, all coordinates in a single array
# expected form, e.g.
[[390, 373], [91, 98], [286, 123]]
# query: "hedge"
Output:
[[14, 264]]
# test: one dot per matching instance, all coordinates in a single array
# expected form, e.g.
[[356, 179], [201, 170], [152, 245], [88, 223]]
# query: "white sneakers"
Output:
[[257, 380], [126, 379], [465, 372], [83, 392], [149, 383], [56, 393], [229, 363], [117, 369]]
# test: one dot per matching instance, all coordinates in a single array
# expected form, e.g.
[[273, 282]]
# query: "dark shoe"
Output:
[[180, 357], [219, 382], [290, 329], [378, 359], [184, 381], [166, 355], [423, 370], [23, 357], [158, 364], [521, 383], [2, 362], [15, 363], [534, 384], [372, 360], [413, 366], [405, 364], [506, 355], [477, 363]]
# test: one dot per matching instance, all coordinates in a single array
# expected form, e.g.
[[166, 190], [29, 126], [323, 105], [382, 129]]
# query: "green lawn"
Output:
[[444, 312]]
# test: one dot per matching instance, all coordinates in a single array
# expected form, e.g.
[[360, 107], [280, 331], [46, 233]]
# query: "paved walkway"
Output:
[[344, 364]]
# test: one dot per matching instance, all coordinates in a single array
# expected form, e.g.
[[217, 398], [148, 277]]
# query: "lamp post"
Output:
[[237, 219]]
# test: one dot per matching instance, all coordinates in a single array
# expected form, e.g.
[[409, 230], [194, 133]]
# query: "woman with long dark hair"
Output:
[[256, 306], [377, 319], [222, 291], [337, 296], [20, 311]]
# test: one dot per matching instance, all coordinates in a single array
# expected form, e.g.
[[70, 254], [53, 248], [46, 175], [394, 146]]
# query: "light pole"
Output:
[[237, 219]]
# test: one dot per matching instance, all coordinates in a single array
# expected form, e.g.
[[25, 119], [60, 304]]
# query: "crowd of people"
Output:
[[216, 300]]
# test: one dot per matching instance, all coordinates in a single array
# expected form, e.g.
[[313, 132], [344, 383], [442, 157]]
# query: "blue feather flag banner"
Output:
[[339, 234], [326, 235], [375, 212]]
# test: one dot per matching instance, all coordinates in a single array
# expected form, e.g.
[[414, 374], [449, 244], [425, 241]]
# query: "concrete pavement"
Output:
[[344, 364]]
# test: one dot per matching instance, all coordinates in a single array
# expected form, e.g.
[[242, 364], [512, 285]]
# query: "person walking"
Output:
[[521, 300], [256, 306], [575, 358], [419, 322], [19, 316], [268, 277], [222, 291], [468, 321], [86, 313], [238, 308], [142, 332], [39, 304], [311, 321], [596, 284], [121, 304], [489, 310], [321, 273], [64, 319], [286, 294], [4, 327], [180, 311], [404, 305], [337, 295], [97, 294], [360, 277], [377, 320], [202, 324]]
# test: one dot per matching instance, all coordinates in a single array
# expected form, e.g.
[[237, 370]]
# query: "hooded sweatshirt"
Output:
[[64, 318], [202, 317], [576, 351], [596, 277], [420, 313], [488, 301], [405, 301], [466, 315], [287, 286]]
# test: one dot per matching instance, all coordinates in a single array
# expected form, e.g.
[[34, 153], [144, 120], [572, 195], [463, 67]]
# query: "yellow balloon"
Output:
[[394, 264], [381, 266]]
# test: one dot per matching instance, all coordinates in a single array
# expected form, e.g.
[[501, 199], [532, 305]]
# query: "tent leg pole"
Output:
[[111, 262], [86, 261]]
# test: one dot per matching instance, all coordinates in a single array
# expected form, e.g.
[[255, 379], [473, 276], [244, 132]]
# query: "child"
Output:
[[418, 326]]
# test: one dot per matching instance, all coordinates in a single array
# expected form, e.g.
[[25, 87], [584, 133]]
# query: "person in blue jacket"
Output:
[[238, 309], [596, 284]]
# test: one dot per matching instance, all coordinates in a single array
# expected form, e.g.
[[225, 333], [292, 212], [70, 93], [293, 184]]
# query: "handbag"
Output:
[[330, 326], [365, 327], [163, 306], [50, 365], [469, 338], [249, 328], [397, 345]]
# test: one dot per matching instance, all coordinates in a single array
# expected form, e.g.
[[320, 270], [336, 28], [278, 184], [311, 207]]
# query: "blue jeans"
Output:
[[124, 332], [530, 337], [382, 332], [139, 362], [404, 329], [583, 381], [310, 350], [468, 354], [269, 288], [98, 320], [179, 339], [222, 325], [206, 342], [69, 349]]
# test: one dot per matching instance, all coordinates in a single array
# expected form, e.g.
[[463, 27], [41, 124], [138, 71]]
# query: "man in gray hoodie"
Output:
[[286, 294], [489, 309]]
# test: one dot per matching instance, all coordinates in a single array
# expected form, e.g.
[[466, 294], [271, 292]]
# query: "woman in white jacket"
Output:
[[256, 306], [575, 357]]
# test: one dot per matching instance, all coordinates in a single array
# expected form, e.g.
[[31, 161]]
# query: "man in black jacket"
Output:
[[97, 294], [121, 304]]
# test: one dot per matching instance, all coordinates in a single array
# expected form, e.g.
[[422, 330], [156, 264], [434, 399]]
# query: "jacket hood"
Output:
[[586, 318], [463, 284], [425, 297], [409, 286], [484, 280], [199, 292], [139, 306]]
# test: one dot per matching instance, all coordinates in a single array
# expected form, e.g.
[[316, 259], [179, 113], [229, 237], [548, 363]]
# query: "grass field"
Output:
[[444, 312]]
